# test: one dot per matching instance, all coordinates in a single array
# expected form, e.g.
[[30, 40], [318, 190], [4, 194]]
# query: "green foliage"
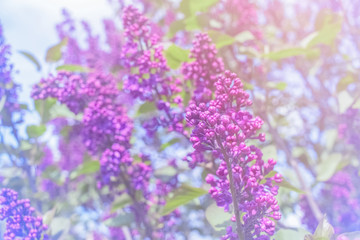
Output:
[[221, 39], [73, 68], [2, 102], [146, 107], [287, 234], [279, 86], [328, 167], [60, 225], [326, 34], [345, 82], [35, 131], [290, 52], [190, 7], [169, 143], [345, 101], [217, 218], [287, 185], [120, 220], [43, 108], [49, 215], [120, 202], [54, 53], [181, 196], [88, 167], [175, 56], [324, 231]]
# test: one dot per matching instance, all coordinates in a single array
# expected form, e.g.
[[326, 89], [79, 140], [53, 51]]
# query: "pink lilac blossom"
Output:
[[243, 17], [222, 126], [203, 71], [21, 222]]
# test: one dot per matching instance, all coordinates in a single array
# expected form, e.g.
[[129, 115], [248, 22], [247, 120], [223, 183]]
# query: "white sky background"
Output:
[[29, 25]]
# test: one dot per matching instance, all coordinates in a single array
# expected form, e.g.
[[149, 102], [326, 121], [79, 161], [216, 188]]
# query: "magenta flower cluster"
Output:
[[104, 122], [223, 126], [203, 71], [21, 222]]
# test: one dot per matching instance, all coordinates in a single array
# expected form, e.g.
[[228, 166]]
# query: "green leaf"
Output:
[[35, 131], [269, 151], [217, 218], [43, 108], [54, 54], [182, 195], [25, 145], [86, 168], [330, 138], [356, 104], [286, 234], [175, 27], [345, 101], [175, 56], [167, 171], [190, 7], [290, 52], [147, 107], [328, 167], [201, 6], [120, 220], [60, 224], [221, 39], [192, 23], [32, 58], [326, 35], [169, 143], [244, 37], [279, 86], [2, 102], [49, 216], [285, 184], [61, 110], [73, 68], [121, 202], [344, 82], [324, 230]]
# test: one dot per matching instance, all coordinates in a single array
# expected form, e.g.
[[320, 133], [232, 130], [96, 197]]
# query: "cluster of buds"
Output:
[[21, 222], [243, 178]]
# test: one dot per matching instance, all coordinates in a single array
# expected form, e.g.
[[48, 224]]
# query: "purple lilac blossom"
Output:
[[21, 222], [222, 126], [151, 82], [339, 200]]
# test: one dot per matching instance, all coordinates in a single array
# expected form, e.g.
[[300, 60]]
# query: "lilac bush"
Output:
[[154, 127]]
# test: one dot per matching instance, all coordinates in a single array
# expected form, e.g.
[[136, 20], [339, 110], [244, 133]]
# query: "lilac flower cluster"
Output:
[[223, 127], [93, 55], [104, 123], [19, 216], [149, 80], [8, 89], [204, 70]]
